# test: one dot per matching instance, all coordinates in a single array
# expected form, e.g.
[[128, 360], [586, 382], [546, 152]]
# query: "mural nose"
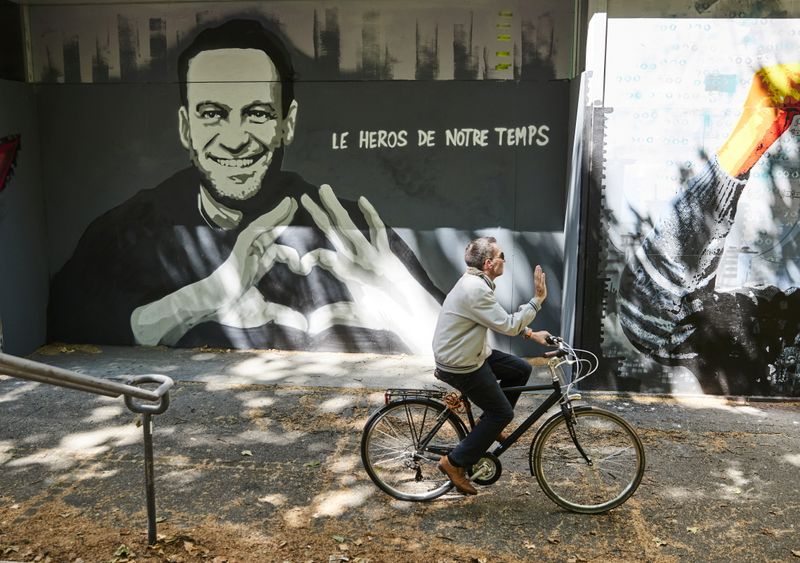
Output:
[[233, 138], [234, 144]]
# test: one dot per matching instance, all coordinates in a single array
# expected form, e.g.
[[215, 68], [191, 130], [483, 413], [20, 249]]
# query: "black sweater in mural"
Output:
[[158, 242], [733, 341]]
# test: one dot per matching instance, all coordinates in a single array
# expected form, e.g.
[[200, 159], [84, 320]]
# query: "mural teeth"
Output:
[[236, 162]]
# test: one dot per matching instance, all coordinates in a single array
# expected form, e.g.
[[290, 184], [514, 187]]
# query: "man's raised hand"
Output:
[[539, 285]]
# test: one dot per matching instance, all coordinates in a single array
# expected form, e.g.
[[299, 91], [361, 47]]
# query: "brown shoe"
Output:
[[458, 476], [501, 437]]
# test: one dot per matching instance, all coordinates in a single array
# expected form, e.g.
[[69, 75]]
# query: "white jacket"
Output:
[[460, 342]]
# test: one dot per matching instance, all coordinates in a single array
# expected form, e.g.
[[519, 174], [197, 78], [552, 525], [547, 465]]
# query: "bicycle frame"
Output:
[[557, 396], [598, 447]]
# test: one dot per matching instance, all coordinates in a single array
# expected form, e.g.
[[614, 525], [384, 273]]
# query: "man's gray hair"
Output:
[[478, 251]]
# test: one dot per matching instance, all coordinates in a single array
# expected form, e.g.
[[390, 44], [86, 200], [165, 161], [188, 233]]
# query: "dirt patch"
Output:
[[54, 531], [57, 348]]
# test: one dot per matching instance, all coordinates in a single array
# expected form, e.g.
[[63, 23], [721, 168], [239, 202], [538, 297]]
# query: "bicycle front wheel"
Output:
[[394, 452], [605, 477]]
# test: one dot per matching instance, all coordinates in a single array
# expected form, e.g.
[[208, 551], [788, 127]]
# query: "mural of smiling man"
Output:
[[233, 251]]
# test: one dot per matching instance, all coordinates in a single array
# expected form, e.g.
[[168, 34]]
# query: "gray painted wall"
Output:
[[109, 119], [23, 246]]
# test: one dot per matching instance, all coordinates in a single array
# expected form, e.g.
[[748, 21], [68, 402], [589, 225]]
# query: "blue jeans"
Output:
[[483, 389]]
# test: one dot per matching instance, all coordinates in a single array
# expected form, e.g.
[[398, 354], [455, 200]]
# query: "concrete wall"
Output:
[[678, 298], [493, 73], [23, 246]]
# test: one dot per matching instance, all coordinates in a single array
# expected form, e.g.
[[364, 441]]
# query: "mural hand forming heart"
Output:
[[385, 294], [9, 148]]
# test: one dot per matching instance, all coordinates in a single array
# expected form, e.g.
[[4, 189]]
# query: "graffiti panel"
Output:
[[696, 194], [240, 207]]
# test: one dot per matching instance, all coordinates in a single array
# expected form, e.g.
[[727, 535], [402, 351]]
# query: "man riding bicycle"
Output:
[[465, 360]]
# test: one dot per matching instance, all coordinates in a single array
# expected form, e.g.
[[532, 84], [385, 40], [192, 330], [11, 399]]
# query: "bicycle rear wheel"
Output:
[[616, 462], [392, 453]]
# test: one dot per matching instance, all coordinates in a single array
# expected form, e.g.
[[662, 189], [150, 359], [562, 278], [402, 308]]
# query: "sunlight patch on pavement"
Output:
[[279, 437], [263, 370], [697, 402], [739, 487], [182, 477], [296, 517], [335, 503], [94, 471], [17, 392], [681, 493], [337, 404], [82, 445], [275, 500], [102, 414], [718, 403], [258, 402], [737, 477], [204, 357], [5, 448], [346, 464], [794, 459]]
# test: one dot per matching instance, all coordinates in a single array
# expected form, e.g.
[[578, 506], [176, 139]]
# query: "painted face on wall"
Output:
[[233, 123]]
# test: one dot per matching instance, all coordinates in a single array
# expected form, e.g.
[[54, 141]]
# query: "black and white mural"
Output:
[[278, 191], [695, 209]]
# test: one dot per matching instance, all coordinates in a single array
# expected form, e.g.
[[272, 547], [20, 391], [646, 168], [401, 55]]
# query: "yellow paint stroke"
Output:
[[503, 54], [504, 25], [504, 37], [506, 13], [502, 66], [778, 80]]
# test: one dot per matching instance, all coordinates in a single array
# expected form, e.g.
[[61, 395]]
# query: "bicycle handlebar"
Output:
[[584, 362]]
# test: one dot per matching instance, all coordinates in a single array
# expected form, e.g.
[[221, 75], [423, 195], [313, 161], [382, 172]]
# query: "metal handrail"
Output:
[[157, 403], [43, 373]]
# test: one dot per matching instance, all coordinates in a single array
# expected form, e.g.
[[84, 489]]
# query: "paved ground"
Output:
[[257, 460]]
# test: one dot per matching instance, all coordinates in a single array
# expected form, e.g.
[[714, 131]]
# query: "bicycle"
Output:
[[586, 459]]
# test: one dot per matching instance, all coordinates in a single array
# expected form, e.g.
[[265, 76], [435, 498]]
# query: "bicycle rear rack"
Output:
[[399, 394], [156, 401]]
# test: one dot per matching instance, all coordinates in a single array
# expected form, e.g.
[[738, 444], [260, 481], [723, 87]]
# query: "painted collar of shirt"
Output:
[[476, 272], [215, 214]]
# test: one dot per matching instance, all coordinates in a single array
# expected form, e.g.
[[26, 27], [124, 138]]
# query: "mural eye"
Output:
[[211, 114], [259, 115]]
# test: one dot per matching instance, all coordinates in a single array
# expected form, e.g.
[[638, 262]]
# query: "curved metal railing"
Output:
[[146, 402]]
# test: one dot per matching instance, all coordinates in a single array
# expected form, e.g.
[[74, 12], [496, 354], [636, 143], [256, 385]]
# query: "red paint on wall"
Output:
[[9, 148]]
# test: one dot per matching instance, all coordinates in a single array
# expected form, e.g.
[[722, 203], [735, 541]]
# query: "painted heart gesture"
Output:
[[386, 295]]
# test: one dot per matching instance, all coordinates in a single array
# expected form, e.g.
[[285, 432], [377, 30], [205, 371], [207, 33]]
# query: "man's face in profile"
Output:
[[233, 122]]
